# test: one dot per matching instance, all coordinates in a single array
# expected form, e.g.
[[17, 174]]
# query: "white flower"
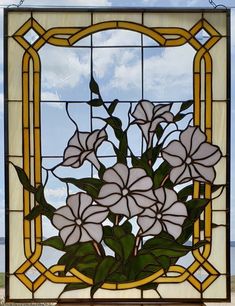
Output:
[[79, 220], [82, 146], [148, 116], [166, 215], [191, 157], [127, 191]]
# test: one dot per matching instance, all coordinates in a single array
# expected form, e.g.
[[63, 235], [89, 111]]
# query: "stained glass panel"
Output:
[[117, 155]]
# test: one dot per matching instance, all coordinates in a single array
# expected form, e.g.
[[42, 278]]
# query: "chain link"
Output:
[[216, 5]]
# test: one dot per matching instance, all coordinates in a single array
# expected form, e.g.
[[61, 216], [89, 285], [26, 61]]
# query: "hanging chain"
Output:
[[16, 5], [216, 5]]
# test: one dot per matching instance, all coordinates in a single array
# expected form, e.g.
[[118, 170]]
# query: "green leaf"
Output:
[[159, 131], [122, 151], [118, 231], [139, 163], [179, 117], [127, 227], [94, 87], [35, 212], [114, 245], [186, 105], [112, 106], [24, 179], [46, 209], [165, 262], [117, 277], [54, 242], [160, 174], [95, 102], [139, 263], [188, 191], [195, 208], [90, 185], [128, 244], [103, 270], [101, 171], [151, 154]]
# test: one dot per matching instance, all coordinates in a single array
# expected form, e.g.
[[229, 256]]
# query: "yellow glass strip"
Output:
[[197, 285], [207, 282], [211, 30], [24, 29], [196, 28], [197, 98], [25, 281], [38, 282], [37, 27]]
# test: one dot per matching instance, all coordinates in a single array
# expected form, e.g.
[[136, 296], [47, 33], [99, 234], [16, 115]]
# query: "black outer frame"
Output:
[[228, 165]]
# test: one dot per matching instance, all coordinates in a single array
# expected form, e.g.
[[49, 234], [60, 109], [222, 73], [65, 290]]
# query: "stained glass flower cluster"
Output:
[[136, 215]]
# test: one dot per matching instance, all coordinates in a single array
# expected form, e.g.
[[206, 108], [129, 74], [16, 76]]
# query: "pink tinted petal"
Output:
[[74, 140], [178, 209], [160, 194], [93, 159], [112, 176], [142, 183], [66, 212], [171, 197], [154, 230], [85, 201], [191, 138], [207, 173], [180, 174], [168, 116], [82, 137], [109, 189], [173, 229], [60, 221], [122, 171], [174, 153], [73, 202], [142, 200], [109, 200], [72, 161], [175, 219], [160, 109], [145, 130], [66, 232], [95, 214], [145, 223], [91, 139], [74, 237], [133, 208], [94, 230], [101, 137], [207, 154], [84, 236], [121, 208]]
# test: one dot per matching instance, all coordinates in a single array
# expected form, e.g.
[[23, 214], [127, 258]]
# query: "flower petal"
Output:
[[82, 137], [207, 173], [94, 230], [191, 138], [174, 153], [142, 200], [174, 219], [74, 141], [207, 154], [171, 197], [177, 209], [133, 207], [121, 208], [66, 212], [118, 174], [66, 232], [145, 223], [60, 221], [154, 230], [144, 110], [74, 237], [109, 189], [95, 214], [85, 236], [180, 174], [173, 229], [143, 183]]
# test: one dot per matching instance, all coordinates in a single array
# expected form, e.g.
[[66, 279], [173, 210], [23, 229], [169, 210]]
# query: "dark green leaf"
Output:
[[54, 242], [160, 174], [128, 244], [112, 106], [24, 179], [94, 87], [90, 185], [188, 191], [123, 147], [127, 227], [47, 209], [139, 163], [35, 212], [118, 231], [186, 105], [117, 277], [159, 131], [179, 117], [139, 263], [95, 102], [114, 245], [101, 171], [107, 231], [114, 122], [103, 270], [195, 208], [165, 262]]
